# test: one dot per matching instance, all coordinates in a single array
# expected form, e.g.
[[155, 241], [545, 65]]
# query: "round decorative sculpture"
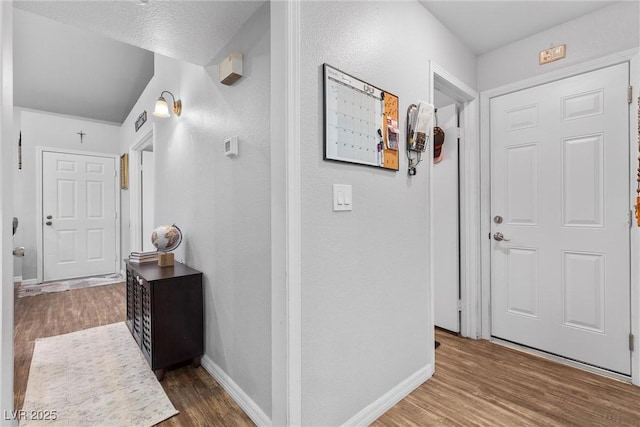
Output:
[[166, 237]]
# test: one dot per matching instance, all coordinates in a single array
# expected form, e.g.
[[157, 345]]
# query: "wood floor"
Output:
[[477, 383], [198, 397]]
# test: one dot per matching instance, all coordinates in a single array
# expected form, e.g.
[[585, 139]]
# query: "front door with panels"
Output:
[[560, 267], [79, 215]]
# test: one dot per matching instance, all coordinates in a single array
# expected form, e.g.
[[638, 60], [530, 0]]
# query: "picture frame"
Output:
[[360, 122], [124, 171]]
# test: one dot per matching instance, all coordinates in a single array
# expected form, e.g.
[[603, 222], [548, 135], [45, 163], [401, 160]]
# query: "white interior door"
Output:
[[79, 215], [147, 189], [560, 278], [446, 255]]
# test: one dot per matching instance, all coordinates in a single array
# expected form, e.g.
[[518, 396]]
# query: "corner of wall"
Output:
[[247, 404], [373, 411], [6, 202]]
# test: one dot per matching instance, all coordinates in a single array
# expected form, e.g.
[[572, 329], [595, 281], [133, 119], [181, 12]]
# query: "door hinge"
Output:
[[459, 305], [629, 94], [631, 342], [459, 132], [630, 218]]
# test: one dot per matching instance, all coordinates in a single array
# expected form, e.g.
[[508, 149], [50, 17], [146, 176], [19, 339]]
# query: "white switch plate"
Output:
[[342, 198]]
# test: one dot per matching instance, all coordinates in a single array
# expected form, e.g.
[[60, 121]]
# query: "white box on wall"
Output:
[[231, 146], [231, 68]]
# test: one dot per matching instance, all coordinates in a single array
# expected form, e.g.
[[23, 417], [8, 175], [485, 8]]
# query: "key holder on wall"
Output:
[[419, 122]]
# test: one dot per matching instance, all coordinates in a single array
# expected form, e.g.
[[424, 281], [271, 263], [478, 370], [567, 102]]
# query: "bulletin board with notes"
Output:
[[361, 122]]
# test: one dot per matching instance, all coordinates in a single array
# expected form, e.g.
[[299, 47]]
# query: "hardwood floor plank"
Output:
[[477, 383]]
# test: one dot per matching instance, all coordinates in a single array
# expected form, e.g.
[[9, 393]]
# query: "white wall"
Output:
[[6, 191], [240, 336], [604, 32], [366, 320], [222, 205], [40, 128]]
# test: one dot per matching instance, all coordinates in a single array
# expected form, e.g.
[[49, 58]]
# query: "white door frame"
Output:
[[629, 56], [286, 216], [7, 162], [135, 201], [469, 180], [38, 223]]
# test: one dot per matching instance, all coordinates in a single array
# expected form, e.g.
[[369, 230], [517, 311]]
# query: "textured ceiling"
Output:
[[193, 31], [93, 58], [487, 25], [67, 70], [80, 69]]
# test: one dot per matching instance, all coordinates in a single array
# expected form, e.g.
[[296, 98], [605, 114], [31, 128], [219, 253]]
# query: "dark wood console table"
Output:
[[165, 313]]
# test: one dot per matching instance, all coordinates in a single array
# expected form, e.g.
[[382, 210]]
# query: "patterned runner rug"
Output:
[[94, 377], [65, 285]]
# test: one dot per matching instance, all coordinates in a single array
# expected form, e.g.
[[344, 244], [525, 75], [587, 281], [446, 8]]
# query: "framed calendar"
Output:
[[361, 121]]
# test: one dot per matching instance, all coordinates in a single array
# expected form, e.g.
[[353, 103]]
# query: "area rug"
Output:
[[65, 285], [94, 377]]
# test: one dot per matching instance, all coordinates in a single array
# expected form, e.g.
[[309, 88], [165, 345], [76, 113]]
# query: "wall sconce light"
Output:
[[162, 108]]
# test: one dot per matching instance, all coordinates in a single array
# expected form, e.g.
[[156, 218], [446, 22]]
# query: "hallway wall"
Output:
[[366, 319], [222, 205]]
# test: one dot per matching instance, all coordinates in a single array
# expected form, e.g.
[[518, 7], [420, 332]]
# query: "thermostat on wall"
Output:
[[231, 146]]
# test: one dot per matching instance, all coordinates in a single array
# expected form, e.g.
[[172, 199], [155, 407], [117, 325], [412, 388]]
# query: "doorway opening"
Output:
[[446, 212], [142, 193], [459, 300]]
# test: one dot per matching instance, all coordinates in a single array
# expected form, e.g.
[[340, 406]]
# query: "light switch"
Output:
[[342, 198]]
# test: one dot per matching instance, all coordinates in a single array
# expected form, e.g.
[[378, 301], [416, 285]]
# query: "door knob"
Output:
[[49, 217], [498, 236], [48, 223]]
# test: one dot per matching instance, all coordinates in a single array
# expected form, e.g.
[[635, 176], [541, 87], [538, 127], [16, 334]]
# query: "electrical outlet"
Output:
[[553, 54]]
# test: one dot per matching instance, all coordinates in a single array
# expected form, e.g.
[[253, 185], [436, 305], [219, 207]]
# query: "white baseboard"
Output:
[[252, 410], [30, 282], [373, 411]]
